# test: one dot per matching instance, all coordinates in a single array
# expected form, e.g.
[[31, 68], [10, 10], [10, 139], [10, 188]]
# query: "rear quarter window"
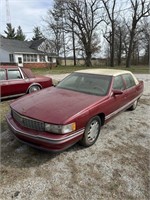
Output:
[[14, 74], [129, 80], [118, 83]]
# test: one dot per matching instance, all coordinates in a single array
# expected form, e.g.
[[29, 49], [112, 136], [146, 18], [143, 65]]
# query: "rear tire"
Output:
[[133, 107], [92, 132], [34, 88]]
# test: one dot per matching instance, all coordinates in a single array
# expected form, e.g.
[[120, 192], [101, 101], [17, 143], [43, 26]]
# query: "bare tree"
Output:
[[83, 14], [140, 9], [54, 22], [120, 42], [110, 10], [145, 40]]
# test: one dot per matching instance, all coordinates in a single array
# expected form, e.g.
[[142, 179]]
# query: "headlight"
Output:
[[60, 129]]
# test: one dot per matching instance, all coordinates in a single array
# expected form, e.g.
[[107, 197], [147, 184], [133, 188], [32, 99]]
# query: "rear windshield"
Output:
[[27, 73]]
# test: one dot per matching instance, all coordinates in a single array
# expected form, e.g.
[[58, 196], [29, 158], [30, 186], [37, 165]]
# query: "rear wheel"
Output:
[[34, 88], [133, 107], [92, 131]]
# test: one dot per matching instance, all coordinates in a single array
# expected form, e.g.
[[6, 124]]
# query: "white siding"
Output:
[[4, 56], [54, 60]]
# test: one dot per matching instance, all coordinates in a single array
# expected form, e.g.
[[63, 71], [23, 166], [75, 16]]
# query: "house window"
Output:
[[50, 59], [35, 58], [42, 58], [30, 58], [11, 57], [24, 58]]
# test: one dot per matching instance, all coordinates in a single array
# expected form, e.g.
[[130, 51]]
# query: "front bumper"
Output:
[[43, 140]]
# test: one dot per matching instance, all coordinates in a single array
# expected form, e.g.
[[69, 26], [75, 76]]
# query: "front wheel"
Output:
[[34, 88], [92, 131]]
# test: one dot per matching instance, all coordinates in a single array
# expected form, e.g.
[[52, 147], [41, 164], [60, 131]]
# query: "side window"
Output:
[[2, 75], [14, 74], [118, 83], [129, 80]]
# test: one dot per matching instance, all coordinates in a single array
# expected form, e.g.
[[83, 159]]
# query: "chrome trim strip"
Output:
[[120, 109], [54, 141], [11, 96], [21, 73]]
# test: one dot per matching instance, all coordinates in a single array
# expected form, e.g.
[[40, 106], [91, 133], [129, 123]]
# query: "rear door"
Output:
[[16, 82], [116, 102], [131, 91]]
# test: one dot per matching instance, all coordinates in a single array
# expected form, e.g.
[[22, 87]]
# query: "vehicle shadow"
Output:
[[19, 155]]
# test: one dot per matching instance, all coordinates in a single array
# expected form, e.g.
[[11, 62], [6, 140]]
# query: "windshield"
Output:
[[87, 83]]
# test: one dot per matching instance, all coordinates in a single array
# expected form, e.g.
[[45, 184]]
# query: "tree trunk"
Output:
[[73, 43], [128, 62], [112, 63], [88, 62], [120, 49]]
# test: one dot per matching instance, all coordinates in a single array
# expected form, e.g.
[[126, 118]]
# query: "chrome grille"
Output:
[[28, 122]]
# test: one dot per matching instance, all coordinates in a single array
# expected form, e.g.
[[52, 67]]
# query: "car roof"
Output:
[[109, 72]]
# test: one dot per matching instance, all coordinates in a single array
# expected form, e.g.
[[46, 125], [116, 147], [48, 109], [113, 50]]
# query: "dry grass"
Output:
[[69, 69], [4, 109]]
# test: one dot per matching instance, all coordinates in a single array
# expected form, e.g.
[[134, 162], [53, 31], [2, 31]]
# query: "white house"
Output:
[[32, 54]]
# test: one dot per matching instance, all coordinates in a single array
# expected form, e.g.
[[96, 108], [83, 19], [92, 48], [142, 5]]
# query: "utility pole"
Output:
[[8, 18]]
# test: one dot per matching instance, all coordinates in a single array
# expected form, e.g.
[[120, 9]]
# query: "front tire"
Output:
[[92, 131]]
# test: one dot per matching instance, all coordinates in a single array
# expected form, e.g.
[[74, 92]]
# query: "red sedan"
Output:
[[16, 81], [73, 111]]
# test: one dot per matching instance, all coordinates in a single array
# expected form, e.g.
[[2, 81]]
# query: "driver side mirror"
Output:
[[117, 92]]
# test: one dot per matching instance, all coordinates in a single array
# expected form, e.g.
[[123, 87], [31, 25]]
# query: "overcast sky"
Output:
[[26, 13]]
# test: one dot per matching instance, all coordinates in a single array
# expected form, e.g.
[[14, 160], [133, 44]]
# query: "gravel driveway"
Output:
[[115, 168]]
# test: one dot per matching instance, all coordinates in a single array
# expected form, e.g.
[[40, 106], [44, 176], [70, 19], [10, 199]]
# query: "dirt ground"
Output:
[[116, 167]]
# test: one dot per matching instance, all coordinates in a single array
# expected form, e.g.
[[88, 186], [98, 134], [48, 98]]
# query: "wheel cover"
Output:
[[34, 89], [93, 131], [135, 104]]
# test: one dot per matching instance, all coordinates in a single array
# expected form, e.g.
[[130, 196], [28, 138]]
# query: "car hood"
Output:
[[55, 105]]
